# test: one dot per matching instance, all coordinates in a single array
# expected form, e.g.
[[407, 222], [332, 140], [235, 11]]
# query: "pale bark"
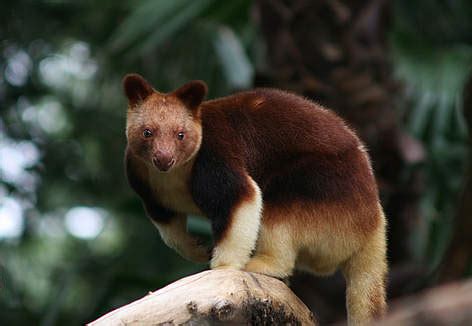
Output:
[[218, 296]]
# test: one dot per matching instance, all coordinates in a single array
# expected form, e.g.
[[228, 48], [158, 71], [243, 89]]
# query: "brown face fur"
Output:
[[163, 130]]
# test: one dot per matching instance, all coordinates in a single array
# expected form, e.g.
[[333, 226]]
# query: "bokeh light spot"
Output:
[[11, 218], [85, 222]]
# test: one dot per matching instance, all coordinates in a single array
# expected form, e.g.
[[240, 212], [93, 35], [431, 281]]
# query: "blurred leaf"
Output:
[[142, 21], [236, 65], [152, 22]]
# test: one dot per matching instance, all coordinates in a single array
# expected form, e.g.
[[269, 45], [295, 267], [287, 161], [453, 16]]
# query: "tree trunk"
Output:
[[215, 297]]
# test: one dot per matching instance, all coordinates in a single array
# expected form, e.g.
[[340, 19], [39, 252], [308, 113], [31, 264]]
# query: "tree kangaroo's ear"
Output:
[[136, 88], [192, 93]]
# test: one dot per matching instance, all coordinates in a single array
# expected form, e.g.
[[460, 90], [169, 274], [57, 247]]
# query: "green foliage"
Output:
[[434, 60]]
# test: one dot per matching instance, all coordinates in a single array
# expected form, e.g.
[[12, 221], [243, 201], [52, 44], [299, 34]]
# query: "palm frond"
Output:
[[434, 78]]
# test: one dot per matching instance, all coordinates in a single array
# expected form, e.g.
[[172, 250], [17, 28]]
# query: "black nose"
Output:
[[163, 162]]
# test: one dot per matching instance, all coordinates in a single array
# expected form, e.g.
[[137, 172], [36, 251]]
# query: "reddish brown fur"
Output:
[[262, 130]]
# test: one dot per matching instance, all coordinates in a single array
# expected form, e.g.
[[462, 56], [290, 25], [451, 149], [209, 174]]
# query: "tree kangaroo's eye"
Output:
[[147, 133], [180, 135]]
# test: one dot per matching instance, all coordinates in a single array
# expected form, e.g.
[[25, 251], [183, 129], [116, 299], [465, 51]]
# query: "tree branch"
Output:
[[212, 297]]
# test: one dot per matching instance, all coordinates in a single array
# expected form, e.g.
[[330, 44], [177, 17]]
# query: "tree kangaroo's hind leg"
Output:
[[275, 255], [365, 274]]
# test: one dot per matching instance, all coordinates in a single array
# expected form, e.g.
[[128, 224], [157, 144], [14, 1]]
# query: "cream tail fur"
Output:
[[365, 274]]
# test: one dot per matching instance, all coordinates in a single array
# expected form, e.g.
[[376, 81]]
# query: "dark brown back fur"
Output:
[[291, 147]]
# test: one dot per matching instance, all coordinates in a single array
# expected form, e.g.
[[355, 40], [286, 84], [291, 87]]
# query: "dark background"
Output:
[[74, 241]]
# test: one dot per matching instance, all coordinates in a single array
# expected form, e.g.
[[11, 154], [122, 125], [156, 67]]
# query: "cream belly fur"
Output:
[[171, 189]]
